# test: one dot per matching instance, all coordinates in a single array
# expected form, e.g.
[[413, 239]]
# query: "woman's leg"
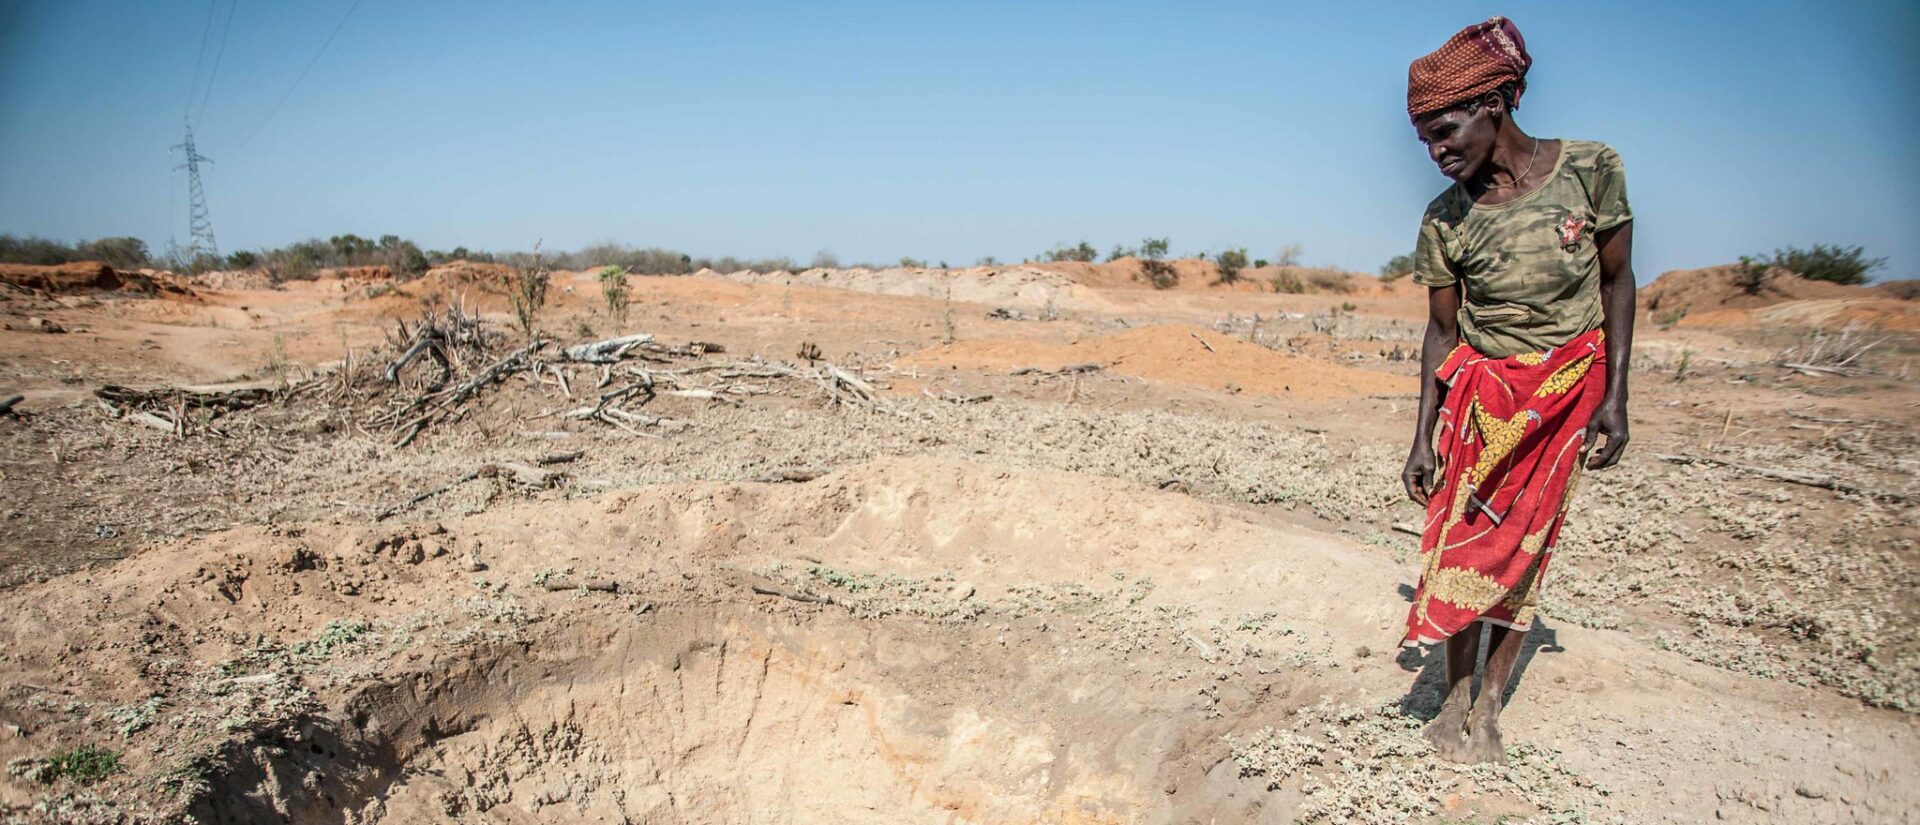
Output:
[[1503, 649], [1447, 731]]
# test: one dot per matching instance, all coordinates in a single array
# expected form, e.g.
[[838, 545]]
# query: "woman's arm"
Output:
[[1617, 305], [1443, 334]]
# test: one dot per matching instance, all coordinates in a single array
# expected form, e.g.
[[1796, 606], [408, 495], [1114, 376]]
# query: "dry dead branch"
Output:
[[796, 475], [607, 351], [561, 585], [955, 398], [1070, 369], [766, 589]]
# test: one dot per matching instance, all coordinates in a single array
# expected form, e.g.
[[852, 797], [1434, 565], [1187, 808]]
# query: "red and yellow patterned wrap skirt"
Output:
[[1509, 443]]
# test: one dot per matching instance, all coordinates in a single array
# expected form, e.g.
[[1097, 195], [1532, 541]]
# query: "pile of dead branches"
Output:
[[180, 411], [432, 370], [609, 381]]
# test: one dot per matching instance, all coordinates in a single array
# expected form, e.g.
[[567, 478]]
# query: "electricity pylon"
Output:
[[198, 223]]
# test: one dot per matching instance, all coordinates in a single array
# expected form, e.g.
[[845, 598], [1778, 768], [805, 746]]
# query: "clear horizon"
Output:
[[878, 131]]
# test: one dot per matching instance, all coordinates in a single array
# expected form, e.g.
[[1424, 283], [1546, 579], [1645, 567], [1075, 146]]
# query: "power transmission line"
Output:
[[207, 93], [303, 75], [193, 89]]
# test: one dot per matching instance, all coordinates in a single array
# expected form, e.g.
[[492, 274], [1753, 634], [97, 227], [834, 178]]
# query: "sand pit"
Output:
[[1175, 354], [903, 642]]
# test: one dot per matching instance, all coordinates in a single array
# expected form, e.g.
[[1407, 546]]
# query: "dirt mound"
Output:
[[94, 276], [1882, 313], [463, 274], [1908, 290], [1724, 297], [85, 276], [356, 273], [1684, 292], [1175, 354], [235, 280]]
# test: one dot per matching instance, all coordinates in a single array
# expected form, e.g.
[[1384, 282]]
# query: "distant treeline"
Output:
[[303, 259]]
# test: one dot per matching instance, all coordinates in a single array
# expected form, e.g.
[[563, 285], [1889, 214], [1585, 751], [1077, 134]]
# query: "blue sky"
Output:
[[944, 132]]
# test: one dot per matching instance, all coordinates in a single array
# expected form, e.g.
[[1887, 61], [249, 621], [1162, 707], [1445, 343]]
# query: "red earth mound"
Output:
[[85, 276], [92, 276], [1689, 291]]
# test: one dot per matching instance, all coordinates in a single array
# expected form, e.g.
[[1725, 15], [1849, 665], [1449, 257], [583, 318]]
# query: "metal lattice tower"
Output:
[[198, 223]]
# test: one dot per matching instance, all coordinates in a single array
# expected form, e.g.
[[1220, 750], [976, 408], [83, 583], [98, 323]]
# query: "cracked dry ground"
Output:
[[1097, 598]]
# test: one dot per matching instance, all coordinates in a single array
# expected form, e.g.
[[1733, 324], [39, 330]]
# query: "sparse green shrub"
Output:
[[1751, 275], [338, 633], [1119, 252], [1083, 253], [1396, 267], [1289, 255], [825, 259], [84, 765], [912, 263], [529, 292], [1230, 263], [1159, 272], [613, 287], [1260, 263], [1823, 262]]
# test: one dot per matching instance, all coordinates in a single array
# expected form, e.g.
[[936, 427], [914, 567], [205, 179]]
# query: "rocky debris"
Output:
[[36, 324]]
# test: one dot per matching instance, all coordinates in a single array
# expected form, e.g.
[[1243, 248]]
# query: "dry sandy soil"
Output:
[[1021, 545]]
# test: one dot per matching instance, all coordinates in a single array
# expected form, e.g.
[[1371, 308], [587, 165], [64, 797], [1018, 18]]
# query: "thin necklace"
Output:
[[1523, 175]]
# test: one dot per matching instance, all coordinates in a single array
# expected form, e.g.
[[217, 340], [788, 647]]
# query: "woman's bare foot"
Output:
[[1483, 740], [1448, 731]]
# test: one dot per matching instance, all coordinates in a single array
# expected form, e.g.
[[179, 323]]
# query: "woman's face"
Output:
[[1458, 141]]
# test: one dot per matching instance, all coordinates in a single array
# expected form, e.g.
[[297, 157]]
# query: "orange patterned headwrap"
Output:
[[1470, 64]]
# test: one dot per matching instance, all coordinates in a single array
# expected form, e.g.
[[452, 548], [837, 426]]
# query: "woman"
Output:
[[1524, 366]]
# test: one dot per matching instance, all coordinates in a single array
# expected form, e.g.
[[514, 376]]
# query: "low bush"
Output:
[[1304, 280], [119, 253], [613, 287], [1396, 267], [1230, 263], [1835, 263], [1083, 253]]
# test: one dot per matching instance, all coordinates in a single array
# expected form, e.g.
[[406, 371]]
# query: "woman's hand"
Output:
[[1419, 473], [1611, 421]]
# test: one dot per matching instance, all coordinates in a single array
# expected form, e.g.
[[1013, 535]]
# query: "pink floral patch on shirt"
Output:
[[1570, 231]]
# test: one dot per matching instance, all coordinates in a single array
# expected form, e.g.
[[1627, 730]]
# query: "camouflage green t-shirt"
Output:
[[1529, 269]]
